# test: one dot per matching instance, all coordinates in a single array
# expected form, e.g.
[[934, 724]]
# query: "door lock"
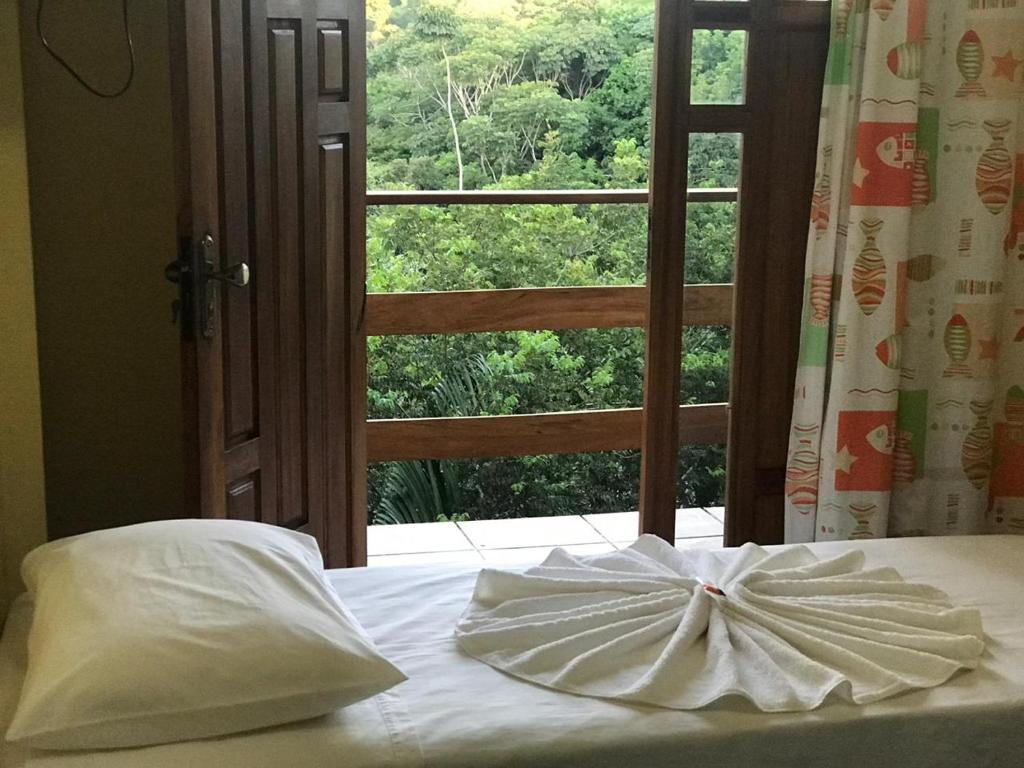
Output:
[[195, 273]]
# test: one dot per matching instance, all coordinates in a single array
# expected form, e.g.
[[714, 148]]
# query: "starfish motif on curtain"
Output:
[[1006, 65], [844, 460], [989, 349]]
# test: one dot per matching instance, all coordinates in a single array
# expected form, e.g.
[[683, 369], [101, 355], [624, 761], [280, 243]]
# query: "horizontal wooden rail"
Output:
[[534, 309], [802, 13], [721, 14], [712, 195], [541, 196], [532, 434], [505, 196], [719, 118]]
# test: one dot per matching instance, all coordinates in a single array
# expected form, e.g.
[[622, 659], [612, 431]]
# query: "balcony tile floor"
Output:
[[527, 540], [416, 538]]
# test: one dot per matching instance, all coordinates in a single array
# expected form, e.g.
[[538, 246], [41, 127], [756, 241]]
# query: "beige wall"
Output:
[[22, 507], [102, 229]]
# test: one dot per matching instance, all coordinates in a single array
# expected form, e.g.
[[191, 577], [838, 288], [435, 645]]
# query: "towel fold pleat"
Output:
[[682, 629]]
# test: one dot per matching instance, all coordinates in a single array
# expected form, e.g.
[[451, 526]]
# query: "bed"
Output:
[[454, 711]]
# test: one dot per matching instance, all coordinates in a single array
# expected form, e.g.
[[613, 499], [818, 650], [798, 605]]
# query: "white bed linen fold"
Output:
[[681, 629]]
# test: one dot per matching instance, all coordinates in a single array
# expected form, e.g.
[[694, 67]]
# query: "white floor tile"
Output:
[[623, 526], [707, 542], [616, 526], [415, 537], [530, 532], [426, 558], [693, 523], [535, 555]]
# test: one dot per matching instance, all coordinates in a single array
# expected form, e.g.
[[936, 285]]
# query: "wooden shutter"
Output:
[[270, 124], [786, 68]]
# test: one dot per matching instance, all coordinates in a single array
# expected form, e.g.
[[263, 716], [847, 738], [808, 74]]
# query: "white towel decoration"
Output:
[[682, 629]]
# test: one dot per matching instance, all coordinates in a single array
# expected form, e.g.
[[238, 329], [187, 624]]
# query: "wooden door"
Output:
[[270, 128]]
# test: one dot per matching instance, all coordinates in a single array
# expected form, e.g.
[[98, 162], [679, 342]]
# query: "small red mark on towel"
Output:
[[713, 590]]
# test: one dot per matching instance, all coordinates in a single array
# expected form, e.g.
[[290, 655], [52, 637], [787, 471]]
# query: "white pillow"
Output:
[[182, 629]]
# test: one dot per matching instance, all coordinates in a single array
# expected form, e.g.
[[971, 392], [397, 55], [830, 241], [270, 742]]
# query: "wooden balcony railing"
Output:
[[471, 437], [537, 196], [534, 309], [531, 309]]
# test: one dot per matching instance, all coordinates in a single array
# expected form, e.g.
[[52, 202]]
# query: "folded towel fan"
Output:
[[682, 629]]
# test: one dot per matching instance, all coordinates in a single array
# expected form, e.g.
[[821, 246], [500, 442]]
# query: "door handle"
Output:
[[195, 274], [236, 275]]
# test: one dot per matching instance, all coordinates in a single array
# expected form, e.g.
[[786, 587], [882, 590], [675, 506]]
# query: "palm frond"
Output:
[[428, 491]]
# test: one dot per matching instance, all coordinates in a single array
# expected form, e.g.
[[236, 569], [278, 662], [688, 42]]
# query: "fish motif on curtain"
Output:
[[908, 416]]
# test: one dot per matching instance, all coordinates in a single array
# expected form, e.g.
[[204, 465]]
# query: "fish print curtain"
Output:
[[908, 416]]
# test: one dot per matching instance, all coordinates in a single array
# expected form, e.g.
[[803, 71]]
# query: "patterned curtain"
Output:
[[909, 406]]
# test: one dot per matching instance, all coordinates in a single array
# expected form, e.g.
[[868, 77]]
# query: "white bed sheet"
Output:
[[463, 713]]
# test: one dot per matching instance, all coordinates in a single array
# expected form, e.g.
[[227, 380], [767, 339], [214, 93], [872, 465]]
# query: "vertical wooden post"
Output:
[[355, 510], [751, 283], [786, 55], [665, 261]]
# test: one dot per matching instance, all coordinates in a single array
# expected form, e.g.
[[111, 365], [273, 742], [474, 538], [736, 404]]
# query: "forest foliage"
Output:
[[531, 94]]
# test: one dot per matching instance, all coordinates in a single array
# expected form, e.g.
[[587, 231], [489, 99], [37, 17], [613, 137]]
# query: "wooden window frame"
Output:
[[663, 306]]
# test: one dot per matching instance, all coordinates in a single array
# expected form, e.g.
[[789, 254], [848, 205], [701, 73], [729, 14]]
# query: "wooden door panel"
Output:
[[285, 259], [276, 433], [242, 499], [241, 421]]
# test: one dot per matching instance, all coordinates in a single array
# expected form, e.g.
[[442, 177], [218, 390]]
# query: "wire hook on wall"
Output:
[[71, 70]]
